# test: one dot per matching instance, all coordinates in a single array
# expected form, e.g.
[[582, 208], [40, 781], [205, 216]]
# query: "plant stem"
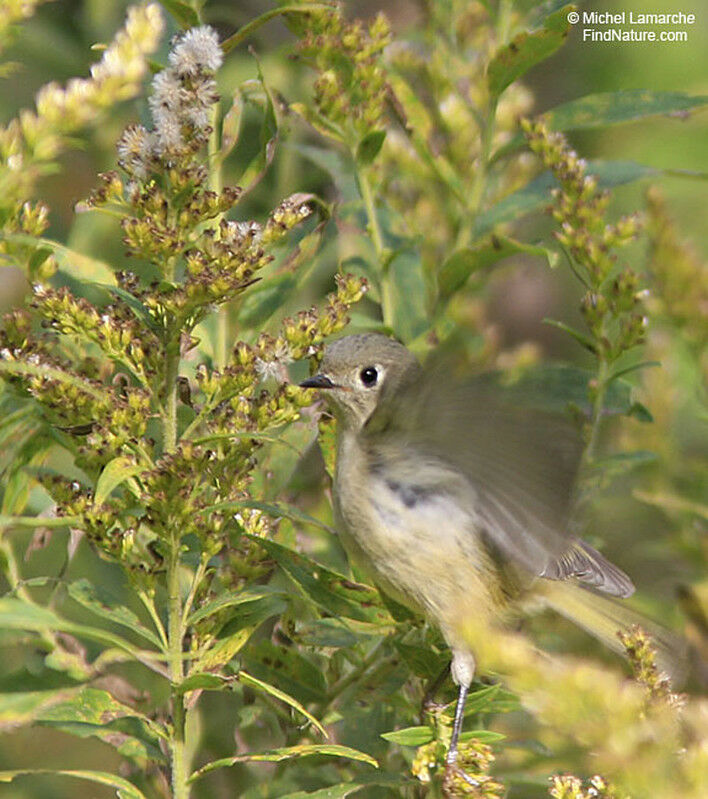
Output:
[[175, 629], [597, 407], [216, 184], [377, 240], [479, 183], [180, 766]]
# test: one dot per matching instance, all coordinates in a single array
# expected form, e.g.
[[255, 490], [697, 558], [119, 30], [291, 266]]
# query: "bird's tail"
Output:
[[603, 617]]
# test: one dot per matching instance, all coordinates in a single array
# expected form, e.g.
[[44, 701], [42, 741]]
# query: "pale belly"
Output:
[[422, 548]]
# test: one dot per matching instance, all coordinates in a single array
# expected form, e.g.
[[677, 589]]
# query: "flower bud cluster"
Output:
[[119, 429], [14, 12], [73, 499], [430, 163], [614, 295], [241, 405], [350, 89], [35, 258], [567, 786], [38, 136], [34, 138], [681, 277], [641, 654], [474, 760], [113, 328]]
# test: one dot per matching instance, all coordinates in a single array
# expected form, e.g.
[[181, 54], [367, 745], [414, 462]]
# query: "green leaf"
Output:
[[231, 599], [75, 264], [334, 593], [285, 753], [614, 108], [223, 650], [39, 256], [458, 267], [126, 790], [611, 108], [581, 338], [640, 412], [632, 368], [339, 169], [268, 137], [261, 685], [422, 659], [538, 193], [115, 472], [526, 50], [232, 637], [205, 681], [99, 600], [140, 311], [484, 736], [410, 736], [369, 147], [320, 123], [247, 30], [612, 466], [555, 387], [408, 292], [264, 299], [16, 614], [336, 633], [95, 713], [344, 789], [231, 125], [24, 707], [491, 699], [290, 669], [183, 12]]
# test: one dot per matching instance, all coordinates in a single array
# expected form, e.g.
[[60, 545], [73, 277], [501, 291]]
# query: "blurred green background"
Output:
[[660, 547]]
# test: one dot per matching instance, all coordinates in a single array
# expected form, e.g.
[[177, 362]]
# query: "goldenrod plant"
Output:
[[172, 586]]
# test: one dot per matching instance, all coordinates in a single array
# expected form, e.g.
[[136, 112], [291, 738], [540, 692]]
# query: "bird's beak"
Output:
[[318, 381]]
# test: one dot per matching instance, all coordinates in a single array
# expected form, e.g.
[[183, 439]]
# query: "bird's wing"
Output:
[[582, 562], [514, 466]]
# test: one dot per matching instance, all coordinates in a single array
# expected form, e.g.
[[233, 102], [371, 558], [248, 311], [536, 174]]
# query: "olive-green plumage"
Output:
[[457, 496]]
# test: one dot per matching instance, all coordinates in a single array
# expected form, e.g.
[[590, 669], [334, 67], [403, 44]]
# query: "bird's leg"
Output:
[[457, 725], [462, 670]]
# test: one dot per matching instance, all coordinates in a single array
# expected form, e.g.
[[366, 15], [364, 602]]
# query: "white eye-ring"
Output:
[[371, 375]]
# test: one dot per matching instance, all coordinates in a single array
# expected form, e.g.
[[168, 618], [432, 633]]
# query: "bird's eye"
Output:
[[368, 376]]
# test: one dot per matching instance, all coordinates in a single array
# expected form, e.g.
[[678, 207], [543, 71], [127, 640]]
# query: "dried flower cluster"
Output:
[[122, 402], [180, 103]]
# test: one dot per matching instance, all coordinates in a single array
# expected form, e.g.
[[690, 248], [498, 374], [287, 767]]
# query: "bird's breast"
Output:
[[416, 537]]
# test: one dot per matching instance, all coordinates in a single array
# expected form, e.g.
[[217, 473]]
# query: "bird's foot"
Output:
[[457, 782]]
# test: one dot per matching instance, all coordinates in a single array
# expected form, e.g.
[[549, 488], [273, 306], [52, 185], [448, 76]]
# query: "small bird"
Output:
[[457, 498]]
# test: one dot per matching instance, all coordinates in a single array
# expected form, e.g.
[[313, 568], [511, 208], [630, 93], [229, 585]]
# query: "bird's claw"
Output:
[[451, 779]]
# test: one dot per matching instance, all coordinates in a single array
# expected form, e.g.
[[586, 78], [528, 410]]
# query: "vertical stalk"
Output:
[[175, 629], [216, 184], [179, 761], [377, 240], [597, 407]]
